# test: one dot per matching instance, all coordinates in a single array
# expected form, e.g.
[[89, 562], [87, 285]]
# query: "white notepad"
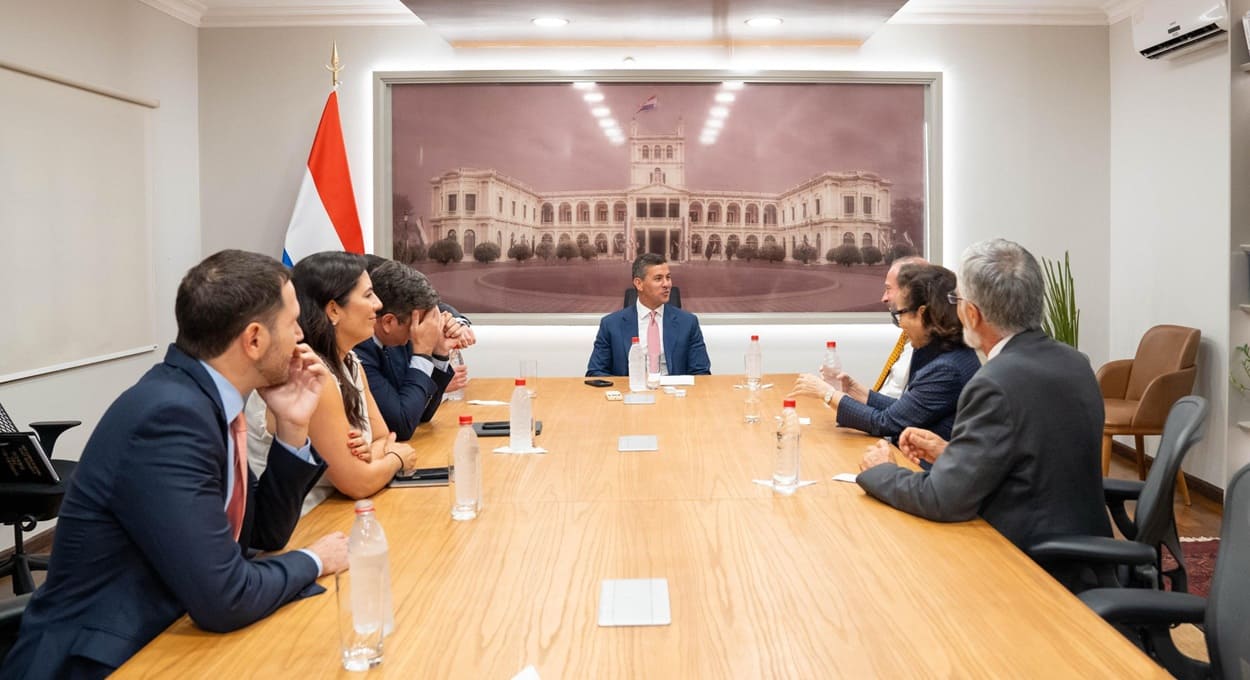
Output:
[[634, 602], [676, 380], [640, 398], [638, 442]]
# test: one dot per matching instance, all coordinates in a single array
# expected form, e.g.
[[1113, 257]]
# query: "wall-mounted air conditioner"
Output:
[[1167, 28]]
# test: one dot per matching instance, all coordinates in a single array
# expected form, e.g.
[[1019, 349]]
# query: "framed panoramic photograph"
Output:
[[783, 194]]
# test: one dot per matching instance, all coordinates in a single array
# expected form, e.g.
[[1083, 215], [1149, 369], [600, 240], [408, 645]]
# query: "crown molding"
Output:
[[188, 11], [1119, 10], [358, 14], [956, 12]]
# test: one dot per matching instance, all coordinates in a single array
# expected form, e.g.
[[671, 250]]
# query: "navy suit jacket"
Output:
[[684, 350], [143, 537], [405, 396], [934, 382], [1024, 453]]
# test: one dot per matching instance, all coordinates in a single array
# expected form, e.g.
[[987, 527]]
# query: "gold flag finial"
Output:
[[334, 66]]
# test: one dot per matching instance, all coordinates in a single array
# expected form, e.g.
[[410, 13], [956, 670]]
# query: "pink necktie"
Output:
[[238, 500], [653, 344]]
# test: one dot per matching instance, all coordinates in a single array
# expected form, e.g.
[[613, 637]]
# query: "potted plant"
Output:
[[1062, 320]]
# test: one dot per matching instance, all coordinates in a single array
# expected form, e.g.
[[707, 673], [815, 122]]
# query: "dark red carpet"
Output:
[[1199, 563]]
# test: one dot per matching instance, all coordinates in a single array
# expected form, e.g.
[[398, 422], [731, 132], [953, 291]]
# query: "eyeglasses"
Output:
[[895, 313], [954, 299]]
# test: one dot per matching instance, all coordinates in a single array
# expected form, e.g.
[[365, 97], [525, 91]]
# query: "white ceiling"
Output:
[[642, 22]]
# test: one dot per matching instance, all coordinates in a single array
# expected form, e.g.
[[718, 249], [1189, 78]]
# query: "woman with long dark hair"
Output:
[[940, 366], [337, 311]]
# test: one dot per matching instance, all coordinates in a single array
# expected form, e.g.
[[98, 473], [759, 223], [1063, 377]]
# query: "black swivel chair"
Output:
[[25, 504], [631, 297], [1148, 616], [1153, 525]]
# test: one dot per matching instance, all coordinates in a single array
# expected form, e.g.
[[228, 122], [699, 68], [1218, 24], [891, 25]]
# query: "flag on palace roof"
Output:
[[649, 105], [325, 216]]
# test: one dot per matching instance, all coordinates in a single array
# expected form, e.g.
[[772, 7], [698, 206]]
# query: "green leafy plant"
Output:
[[1243, 358], [1062, 320]]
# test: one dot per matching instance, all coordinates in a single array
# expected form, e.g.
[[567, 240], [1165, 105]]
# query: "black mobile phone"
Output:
[[435, 476], [500, 428], [599, 382]]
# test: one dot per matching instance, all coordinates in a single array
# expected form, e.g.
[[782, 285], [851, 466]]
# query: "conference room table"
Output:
[[827, 582]]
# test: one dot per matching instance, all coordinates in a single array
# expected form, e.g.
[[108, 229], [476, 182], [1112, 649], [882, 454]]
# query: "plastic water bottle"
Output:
[[466, 473], [368, 558], [786, 472], [753, 404], [637, 367], [453, 360], [831, 364], [520, 419], [754, 361]]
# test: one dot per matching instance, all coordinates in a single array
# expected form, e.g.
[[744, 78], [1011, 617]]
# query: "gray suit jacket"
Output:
[[1024, 452]]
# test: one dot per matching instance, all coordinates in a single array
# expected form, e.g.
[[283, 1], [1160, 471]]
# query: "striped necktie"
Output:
[[889, 363]]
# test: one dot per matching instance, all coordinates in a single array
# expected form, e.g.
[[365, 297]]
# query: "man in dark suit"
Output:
[[1024, 452], [671, 336], [407, 359], [162, 510]]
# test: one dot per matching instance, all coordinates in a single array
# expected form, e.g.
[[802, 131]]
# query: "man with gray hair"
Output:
[[1024, 452], [407, 359]]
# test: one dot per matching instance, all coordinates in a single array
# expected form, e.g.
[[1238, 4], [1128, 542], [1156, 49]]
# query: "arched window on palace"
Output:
[[848, 239], [867, 240]]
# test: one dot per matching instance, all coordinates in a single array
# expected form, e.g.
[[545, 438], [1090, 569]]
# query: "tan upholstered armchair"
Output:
[[1139, 392]]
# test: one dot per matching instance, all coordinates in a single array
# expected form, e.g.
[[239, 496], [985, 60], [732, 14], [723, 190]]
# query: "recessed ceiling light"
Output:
[[593, 97], [549, 22], [584, 85], [732, 84], [718, 112], [763, 22], [628, 60], [600, 111], [724, 97]]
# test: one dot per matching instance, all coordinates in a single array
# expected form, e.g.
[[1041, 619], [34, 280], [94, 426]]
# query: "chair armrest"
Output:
[[50, 430], [1160, 394], [1113, 378], [1093, 549], [1134, 606], [1114, 489]]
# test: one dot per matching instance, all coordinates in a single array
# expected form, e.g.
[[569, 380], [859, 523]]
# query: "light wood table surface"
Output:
[[825, 583]]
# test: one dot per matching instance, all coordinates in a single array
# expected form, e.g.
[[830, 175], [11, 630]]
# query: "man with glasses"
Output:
[[1024, 452], [893, 376]]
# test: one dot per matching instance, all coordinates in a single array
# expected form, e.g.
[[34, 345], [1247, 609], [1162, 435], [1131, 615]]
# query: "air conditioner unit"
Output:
[[1167, 28]]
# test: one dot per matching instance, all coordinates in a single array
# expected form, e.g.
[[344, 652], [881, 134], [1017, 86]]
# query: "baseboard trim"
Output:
[[35, 544], [1200, 487]]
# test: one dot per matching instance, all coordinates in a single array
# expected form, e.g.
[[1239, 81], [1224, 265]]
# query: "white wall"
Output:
[[127, 46], [1026, 152], [1169, 253]]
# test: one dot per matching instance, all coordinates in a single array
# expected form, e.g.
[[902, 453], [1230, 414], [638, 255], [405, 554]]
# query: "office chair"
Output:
[[1153, 524], [11, 610], [1147, 616], [25, 504], [1138, 392], [631, 297]]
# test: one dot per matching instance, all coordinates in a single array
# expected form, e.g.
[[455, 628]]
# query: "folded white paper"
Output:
[[508, 449], [640, 398], [676, 380], [844, 477], [634, 602], [527, 673], [638, 442]]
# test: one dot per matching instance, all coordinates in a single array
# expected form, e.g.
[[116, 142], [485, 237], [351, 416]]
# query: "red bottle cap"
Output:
[[635, 340], [755, 338], [831, 345], [520, 382], [466, 420], [788, 403]]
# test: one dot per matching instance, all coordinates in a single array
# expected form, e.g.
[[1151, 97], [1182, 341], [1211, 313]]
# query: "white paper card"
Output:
[[676, 380], [640, 398], [804, 421], [638, 442], [634, 602], [527, 673], [844, 477]]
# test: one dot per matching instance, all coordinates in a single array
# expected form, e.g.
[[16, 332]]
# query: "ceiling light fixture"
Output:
[[724, 97], [584, 85], [763, 22], [628, 60], [549, 22], [732, 84]]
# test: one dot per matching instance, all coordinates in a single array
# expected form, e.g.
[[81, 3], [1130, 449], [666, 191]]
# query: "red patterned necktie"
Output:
[[653, 345], [238, 500]]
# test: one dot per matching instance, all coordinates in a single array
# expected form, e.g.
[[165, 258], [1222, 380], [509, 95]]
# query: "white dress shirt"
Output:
[[644, 323], [899, 372]]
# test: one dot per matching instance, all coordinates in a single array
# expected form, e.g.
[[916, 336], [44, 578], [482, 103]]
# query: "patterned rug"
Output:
[[1200, 553]]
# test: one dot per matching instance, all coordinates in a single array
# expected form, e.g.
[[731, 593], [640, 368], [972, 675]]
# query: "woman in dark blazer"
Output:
[[940, 365]]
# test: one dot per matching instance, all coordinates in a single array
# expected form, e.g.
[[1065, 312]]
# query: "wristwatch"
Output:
[[829, 398]]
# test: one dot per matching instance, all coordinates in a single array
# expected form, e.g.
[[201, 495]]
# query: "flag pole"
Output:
[[334, 66]]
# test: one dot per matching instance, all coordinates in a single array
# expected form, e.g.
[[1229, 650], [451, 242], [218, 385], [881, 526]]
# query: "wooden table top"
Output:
[[827, 582]]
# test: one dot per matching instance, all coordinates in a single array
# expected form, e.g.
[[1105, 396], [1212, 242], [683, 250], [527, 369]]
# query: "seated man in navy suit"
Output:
[[162, 511], [406, 360], [672, 333]]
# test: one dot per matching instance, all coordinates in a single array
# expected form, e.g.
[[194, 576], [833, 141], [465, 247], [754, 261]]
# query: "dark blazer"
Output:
[[1024, 454], [143, 537], [934, 382], [405, 396], [684, 350]]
